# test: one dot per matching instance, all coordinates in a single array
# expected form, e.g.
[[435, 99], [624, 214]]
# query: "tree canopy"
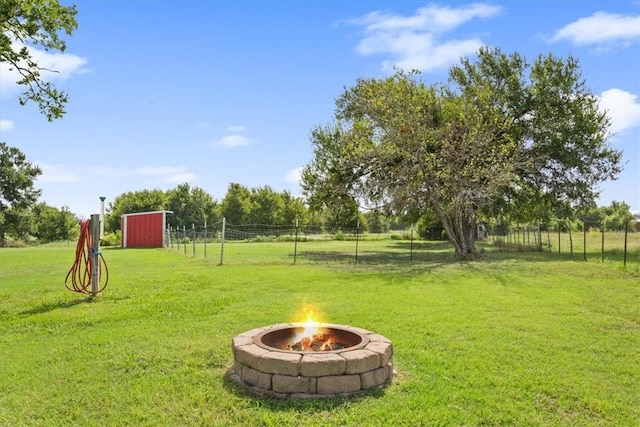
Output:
[[25, 24], [17, 191], [501, 136]]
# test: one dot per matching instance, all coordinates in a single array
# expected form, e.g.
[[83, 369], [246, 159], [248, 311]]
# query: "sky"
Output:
[[217, 92]]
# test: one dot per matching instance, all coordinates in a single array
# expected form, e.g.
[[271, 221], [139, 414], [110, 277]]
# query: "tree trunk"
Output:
[[461, 235]]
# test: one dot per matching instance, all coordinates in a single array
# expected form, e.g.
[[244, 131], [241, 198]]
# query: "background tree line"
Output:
[[24, 218]]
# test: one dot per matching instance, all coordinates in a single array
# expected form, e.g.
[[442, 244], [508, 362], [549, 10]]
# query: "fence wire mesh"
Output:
[[285, 244]]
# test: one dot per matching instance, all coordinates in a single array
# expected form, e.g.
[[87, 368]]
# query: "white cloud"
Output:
[[6, 124], [601, 28], [62, 66], [415, 42], [172, 174], [234, 140], [294, 176], [623, 109], [56, 173]]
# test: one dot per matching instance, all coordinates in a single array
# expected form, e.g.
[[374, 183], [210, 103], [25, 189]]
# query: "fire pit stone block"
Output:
[[249, 354], [337, 384], [374, 378], [383, 349], [359, 361], [289, 384], [322, 364], [278, 362], [255, 377]]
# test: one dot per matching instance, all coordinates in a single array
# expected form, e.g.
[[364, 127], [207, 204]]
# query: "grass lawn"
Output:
[[514, 339]]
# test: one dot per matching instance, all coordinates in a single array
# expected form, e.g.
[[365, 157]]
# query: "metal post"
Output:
[[626, 232], [205, 239], [411, 244], [295, 246], [224, 223], [102, 216], [95, 254], [584, 241], [357, 239], [193, 233], [184, 235], [602, 244]]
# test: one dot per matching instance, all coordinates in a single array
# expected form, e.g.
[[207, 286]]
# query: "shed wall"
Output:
[[143, 230]]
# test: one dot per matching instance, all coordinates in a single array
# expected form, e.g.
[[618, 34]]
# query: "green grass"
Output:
[[513, 339]]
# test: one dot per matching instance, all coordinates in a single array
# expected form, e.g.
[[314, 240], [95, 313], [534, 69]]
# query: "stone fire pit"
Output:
[[272, 360]]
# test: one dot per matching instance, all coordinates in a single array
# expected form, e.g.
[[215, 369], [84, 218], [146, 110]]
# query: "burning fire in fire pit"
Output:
[[315, 338]]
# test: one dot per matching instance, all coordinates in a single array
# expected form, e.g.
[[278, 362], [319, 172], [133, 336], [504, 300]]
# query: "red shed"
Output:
[[144, 229]]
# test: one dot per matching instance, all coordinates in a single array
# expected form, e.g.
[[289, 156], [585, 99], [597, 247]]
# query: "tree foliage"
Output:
[[51, 224], [17, 191], [133, 202], [503, 135], [191, 207], [236, 204], [25, 24]]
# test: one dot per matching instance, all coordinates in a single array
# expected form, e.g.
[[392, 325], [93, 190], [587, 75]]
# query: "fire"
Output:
[[311, 336]]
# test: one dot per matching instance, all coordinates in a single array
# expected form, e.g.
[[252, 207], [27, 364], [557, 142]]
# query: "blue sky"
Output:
[[214, 92]]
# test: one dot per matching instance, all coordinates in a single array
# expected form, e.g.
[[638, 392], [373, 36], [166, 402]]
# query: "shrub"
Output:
[[111, 239]]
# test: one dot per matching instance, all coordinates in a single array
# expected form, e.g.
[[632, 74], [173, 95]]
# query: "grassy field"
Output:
[[513, 339]]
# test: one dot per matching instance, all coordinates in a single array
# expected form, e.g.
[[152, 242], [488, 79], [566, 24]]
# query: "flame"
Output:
[[310, 324]]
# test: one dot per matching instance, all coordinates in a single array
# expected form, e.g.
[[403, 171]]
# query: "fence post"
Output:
[[178, 238], [193, 240], [184, 234], [224, 220], [411, 253], [205, 239], [626, 232], [357, 239], [295, 245], [584, 241], [602, 244]]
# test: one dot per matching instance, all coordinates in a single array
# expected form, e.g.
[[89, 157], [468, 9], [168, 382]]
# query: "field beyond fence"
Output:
[[287, 245]]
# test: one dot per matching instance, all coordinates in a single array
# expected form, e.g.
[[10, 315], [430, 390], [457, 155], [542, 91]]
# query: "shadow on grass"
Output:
[[433, 253], [48, 306], [302, 405]]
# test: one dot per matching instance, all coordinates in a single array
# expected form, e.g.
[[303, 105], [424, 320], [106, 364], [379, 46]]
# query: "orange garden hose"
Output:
[[79, 278]]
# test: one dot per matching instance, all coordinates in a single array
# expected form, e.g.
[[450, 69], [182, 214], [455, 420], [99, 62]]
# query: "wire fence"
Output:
[[592, 242], [224, 243]]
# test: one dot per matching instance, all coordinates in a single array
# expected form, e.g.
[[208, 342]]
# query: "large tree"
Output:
[[501, 131], [236, 205], [17, 191], [27, 24], [191, 206]]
